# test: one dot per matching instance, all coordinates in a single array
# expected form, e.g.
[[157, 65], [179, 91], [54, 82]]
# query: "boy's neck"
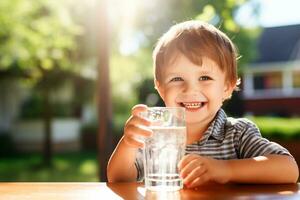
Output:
[[195, 132]]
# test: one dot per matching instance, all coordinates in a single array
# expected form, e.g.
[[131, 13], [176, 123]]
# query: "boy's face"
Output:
[[200, 89]]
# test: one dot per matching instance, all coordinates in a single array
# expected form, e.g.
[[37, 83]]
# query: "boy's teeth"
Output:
[[192, 105]]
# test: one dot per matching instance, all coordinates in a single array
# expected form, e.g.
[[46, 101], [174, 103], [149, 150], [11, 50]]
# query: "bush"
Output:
[[33, 108], [6, 145], [78, 167], [278, 128], [88, 136]]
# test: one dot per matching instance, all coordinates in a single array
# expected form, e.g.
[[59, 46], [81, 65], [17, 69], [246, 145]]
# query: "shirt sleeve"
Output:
[[252, 144], [139, 164]]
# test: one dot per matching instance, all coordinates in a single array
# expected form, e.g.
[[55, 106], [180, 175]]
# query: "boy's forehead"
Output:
[[207, 65]]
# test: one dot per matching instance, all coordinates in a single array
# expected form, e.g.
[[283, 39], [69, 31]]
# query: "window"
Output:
[[296, 79], [268, 80]]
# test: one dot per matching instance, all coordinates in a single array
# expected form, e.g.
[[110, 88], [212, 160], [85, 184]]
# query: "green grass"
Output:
[[66, 167], [281, 128]]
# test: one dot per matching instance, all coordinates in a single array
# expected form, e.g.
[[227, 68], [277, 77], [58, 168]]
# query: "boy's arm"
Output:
[[121, 166], [264, 169], [263, 161], [195, 170]]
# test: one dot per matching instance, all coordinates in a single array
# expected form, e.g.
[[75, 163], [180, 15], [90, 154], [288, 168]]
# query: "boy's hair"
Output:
[[195, 40]]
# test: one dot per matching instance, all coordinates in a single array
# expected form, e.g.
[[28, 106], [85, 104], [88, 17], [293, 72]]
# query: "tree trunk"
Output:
[[47, 151], [104, 140]]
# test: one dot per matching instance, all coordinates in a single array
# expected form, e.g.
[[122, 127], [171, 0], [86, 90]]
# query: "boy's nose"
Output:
[[191, 88]]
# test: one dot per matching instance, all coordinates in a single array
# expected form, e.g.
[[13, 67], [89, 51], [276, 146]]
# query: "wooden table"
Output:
[[131, 191]]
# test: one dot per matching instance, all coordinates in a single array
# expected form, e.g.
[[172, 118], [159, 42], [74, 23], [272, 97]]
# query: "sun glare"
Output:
[[123, 15]]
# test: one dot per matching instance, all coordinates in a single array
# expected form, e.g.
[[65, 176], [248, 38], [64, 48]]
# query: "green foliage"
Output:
[[167, 13], [6, 144], [32, 107], [39, 39], [39, 35], [281, 128], [234, 106], [88, 136], [221, 14], [66, 167], [127, 72], [148, 94]]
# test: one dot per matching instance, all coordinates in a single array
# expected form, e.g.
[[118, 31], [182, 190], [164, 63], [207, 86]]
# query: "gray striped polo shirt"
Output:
[[227, 138]]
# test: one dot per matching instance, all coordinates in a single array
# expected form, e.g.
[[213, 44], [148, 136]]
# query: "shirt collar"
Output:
[[216, 128]]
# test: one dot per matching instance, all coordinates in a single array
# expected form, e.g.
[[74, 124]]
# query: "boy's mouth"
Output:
[[192, 105]]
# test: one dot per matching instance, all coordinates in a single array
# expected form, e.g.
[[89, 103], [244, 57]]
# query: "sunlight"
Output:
[[142, 191], [88, 167], [162, 195], [124, 15], [260, 158], [286, 192], [96, 193], [158, 195], [130, 43]]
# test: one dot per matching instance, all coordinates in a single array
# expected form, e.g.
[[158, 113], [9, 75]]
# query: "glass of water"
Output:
[[166, 147]]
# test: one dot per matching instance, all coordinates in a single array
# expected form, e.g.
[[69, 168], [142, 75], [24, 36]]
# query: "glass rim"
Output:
[[171, 108]]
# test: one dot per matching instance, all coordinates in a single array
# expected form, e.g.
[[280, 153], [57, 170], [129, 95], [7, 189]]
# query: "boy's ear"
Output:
[[228, 89], [159, 88]]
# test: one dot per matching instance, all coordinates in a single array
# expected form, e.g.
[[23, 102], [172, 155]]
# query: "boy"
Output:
[[195, 67]]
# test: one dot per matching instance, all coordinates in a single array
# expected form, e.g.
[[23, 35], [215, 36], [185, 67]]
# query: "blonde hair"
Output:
[[196, 39]]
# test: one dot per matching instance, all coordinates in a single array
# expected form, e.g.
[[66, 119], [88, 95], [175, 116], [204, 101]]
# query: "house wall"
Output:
[[278, 107], [11, 95], [281, 98], [28, 135]]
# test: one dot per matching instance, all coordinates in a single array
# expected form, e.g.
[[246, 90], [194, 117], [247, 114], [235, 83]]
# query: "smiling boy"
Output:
[[195, 67]]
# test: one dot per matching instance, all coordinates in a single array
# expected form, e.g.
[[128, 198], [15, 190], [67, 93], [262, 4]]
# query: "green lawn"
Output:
[[66, 167]]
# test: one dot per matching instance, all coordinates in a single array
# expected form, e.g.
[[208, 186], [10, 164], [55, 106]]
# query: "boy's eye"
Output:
[[204, 78], [176, 79]]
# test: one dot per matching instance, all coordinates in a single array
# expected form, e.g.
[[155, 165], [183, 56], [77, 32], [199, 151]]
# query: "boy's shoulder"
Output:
[[240, 124]]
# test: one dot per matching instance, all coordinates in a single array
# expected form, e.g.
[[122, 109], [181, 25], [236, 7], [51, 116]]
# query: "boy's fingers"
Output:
[[132, 142], [187, 159], [190, 167], [139, 121], [138, 108], [199, 181], [138, 130], [194, 174]]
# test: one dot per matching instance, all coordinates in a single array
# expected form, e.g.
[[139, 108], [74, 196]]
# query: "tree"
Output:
[[39, 38], [104, 139]]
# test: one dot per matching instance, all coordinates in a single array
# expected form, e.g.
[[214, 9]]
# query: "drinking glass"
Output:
[[165, 148]]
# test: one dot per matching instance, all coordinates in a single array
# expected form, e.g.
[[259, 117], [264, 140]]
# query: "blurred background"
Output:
[[64, 63]]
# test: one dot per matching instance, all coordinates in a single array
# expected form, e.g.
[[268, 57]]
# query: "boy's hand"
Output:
[[136, 127], [196, 170]]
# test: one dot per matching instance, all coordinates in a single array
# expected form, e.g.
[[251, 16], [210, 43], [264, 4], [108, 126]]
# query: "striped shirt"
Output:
[[227, 138]]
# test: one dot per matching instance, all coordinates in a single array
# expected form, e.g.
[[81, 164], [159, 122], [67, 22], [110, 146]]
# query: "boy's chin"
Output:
[[197, 117], [193, 120]]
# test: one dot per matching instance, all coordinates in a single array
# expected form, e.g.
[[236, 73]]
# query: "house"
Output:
[[271, 84], [21, 113]]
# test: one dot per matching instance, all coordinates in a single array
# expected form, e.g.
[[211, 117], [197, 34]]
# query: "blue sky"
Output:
[[272, 13]]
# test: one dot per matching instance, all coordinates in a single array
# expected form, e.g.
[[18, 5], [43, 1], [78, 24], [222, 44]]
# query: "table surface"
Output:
[[57, 191]]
